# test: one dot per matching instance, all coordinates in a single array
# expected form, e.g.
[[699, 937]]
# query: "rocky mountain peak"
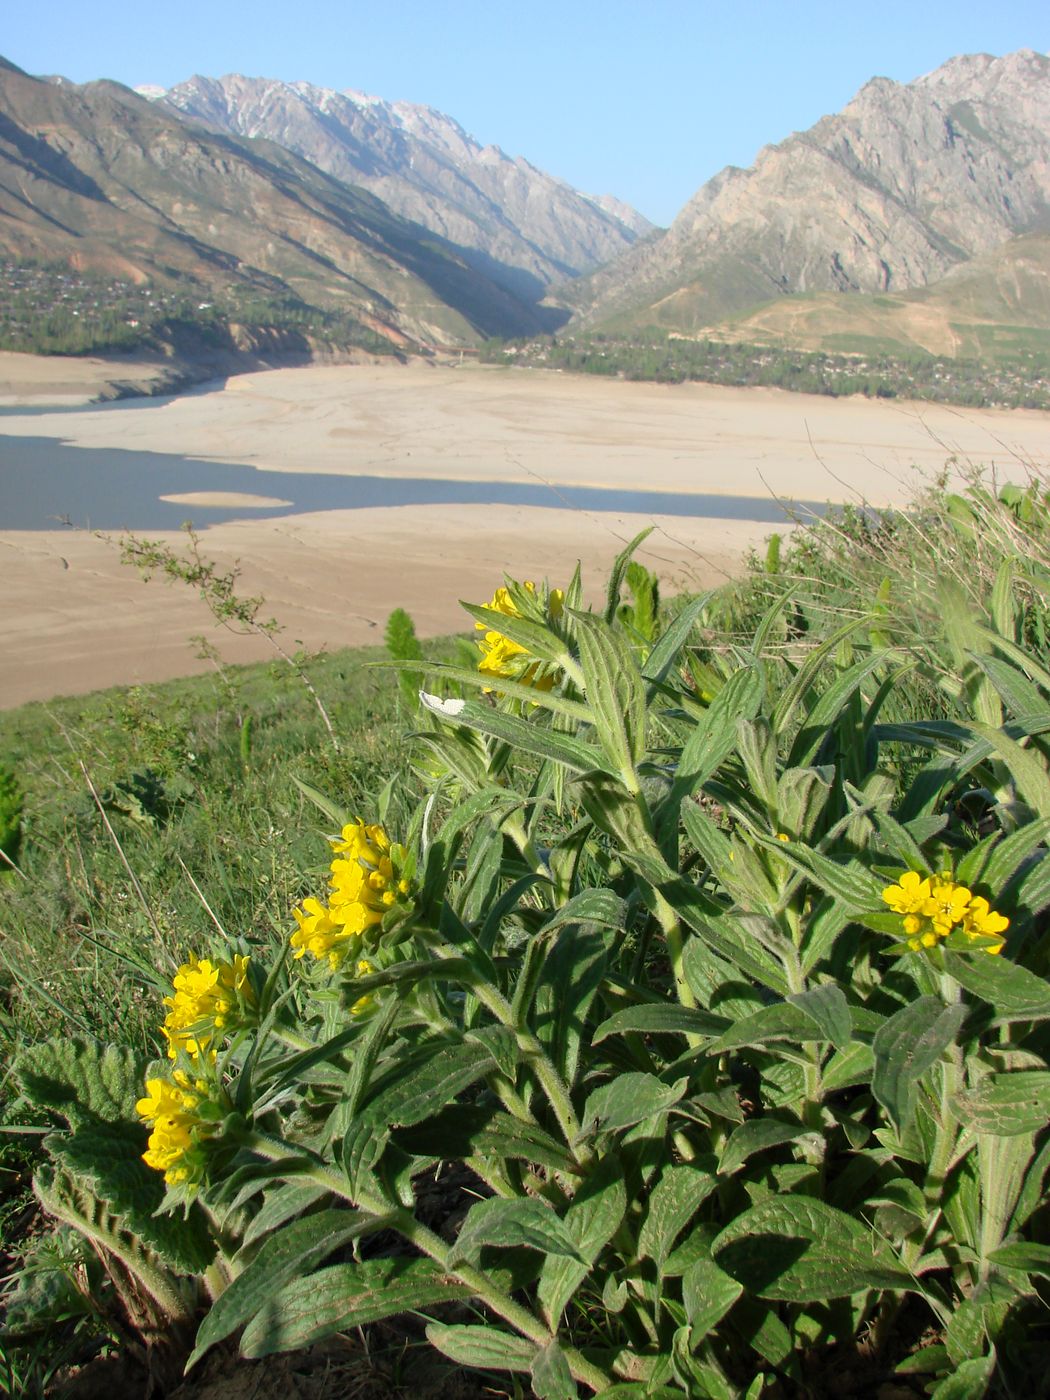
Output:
[[907, 181], [522, 227]]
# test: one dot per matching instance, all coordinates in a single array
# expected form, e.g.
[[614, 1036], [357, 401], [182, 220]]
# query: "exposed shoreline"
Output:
[[78, 620]]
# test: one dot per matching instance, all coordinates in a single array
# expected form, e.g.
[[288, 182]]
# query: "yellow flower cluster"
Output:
[[508, 660], [208, 999], [171, 1108], [934, 906], [365, 884]]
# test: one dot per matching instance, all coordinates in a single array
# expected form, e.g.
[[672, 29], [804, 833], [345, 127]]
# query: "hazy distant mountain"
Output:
[[522, 227], [908, 181], [101, 178]]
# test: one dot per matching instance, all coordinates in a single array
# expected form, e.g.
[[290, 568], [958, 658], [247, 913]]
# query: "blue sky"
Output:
[[644, 99]]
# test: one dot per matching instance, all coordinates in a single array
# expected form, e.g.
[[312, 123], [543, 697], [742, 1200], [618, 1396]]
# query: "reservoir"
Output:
[[46, 483]]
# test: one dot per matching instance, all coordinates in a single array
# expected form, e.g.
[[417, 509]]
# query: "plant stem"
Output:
[[672, 931], [432, 1245]]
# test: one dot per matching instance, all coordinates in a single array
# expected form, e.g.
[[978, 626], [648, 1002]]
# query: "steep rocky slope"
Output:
[[522, 227], [98, 177], [906, 182]]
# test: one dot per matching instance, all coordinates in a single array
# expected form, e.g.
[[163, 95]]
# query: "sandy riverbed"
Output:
[[75, 619]]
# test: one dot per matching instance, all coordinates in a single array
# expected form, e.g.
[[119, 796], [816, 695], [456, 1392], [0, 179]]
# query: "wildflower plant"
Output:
[[695, 991]]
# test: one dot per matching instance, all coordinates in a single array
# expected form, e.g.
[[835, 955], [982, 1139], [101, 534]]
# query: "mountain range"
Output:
[[521, 227], [919, 216]]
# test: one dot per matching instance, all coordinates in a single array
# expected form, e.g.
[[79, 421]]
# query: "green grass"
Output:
[[81, 942]]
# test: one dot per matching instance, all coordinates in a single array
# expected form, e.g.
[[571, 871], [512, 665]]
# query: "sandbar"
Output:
[[76, 619]]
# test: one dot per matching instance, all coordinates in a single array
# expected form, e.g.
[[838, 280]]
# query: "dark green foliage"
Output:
[[403, 645], [51, 309], [1022, 381], [11, 805]]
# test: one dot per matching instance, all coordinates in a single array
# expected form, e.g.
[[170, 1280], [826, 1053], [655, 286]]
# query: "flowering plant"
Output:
[[727, 1076]]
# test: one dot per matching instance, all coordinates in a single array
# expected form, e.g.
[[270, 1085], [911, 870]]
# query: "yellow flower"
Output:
[[364, 885], [981, 921], [364, 1004], [208, 998], [170, 1107], [931, 907], [501, 657], [946, 905], [908, 895]]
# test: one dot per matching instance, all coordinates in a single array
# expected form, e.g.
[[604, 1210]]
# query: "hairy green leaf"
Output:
[[905, 1047], [629, 1098], [82, 1080], [1007, 1104], [551, 1378], [708, 1293], [593, 1216], [675, 1199], [307, 1310], [659, 1018], [756, 1135], [510, 1223], [281, 1259], [1014, 993], [482, 1348], [799, 1250]]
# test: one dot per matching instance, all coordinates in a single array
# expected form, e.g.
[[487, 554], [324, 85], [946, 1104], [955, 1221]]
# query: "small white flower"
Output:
[[449, 708]]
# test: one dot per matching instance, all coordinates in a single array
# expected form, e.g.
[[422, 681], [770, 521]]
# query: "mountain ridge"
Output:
[[522, 227], [907, 181], [98, 177]]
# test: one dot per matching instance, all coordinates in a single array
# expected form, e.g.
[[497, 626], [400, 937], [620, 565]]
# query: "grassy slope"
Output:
[[79, 947], [993, 308]]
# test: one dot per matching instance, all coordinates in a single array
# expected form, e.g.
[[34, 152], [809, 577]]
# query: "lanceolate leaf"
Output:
[[1007, 1104], [853, 1065], [827, 1005], [783, 1021], [512, 1223], [531, 737], [756, 1135], [822, 716], [1029, 1258], [799, 1250], [969, 1382], [1027, 769], [592, 1218], [676, 1197], [665, 653], [720, 932], [293, 1252], [482, 1347], [906, 1046], [1011, 990], [568, 983], [656, 1018], [715, 735], [707, 1293], [551, 1378], [615, 693], [346, 1295], [475, 1130], [408, 1097], [629, 1098], [286, 1200]]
